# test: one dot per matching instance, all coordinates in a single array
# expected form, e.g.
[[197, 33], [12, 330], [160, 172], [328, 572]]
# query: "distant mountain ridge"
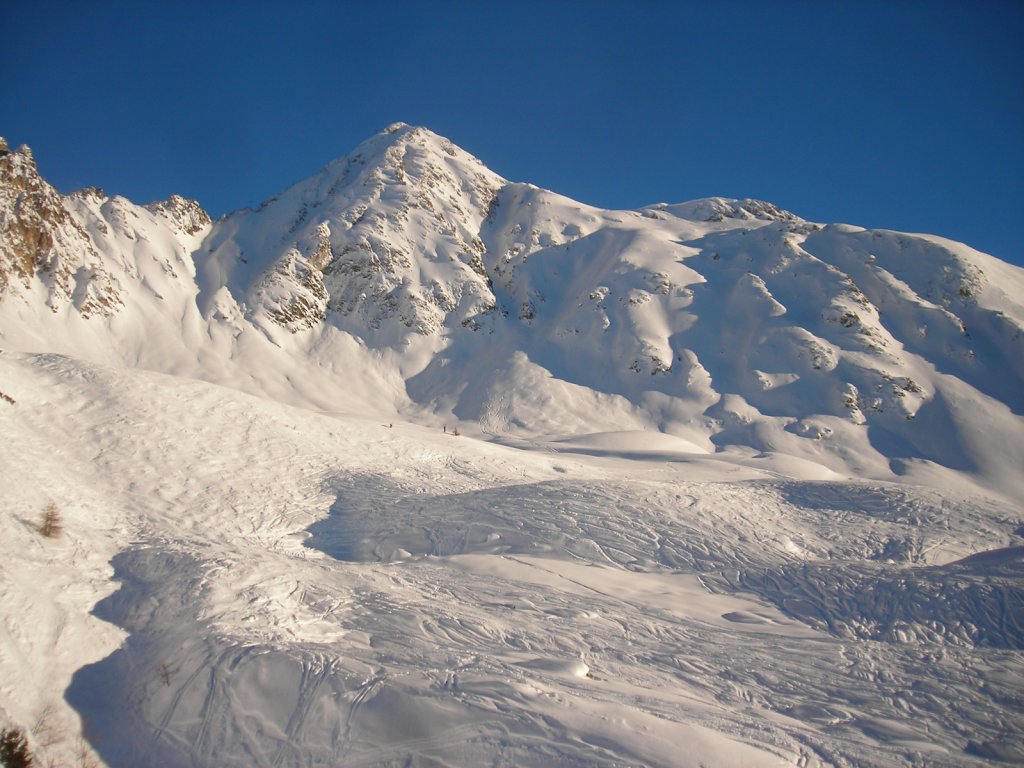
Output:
[[407, 278]]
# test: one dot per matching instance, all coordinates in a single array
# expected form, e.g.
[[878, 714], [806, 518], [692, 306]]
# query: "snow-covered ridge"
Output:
[[446, 291], [84, 249]]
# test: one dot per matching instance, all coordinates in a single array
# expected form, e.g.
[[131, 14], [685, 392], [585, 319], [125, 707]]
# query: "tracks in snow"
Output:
[[451, 625]]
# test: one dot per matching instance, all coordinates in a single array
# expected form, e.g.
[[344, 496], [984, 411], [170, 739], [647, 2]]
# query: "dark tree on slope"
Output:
[[51, 525], [14, 749]]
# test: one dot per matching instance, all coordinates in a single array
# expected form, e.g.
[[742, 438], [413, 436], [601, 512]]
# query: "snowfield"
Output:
[[278, 587], [417, 466]]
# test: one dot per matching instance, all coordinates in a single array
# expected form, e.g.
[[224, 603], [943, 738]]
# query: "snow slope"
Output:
[[286, 588], [724, 478]]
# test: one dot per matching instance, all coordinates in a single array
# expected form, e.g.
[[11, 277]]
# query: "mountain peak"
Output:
[[401, 140], [400, 156], [390, 231]]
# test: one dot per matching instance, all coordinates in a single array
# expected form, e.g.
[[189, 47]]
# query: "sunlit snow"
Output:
[[417, 466]]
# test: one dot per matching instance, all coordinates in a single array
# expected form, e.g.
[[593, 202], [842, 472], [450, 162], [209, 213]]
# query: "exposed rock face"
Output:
[[30, 207], [39, 238], [293, 292]]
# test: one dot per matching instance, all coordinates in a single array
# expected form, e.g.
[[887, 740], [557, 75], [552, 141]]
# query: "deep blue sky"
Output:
[[904, 115]]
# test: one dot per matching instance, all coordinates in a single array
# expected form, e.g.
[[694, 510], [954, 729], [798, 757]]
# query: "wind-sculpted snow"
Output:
[[956, 605], [678, 526], [887, 569], [484, 604]]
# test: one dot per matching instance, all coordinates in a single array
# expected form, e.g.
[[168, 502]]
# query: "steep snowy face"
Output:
[[385, 240]]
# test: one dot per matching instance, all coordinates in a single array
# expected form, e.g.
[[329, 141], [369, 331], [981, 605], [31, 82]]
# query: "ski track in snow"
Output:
[[299, 589]]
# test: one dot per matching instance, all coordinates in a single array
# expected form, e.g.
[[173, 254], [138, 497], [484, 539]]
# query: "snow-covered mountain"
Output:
[[863, 388], [407, 277]]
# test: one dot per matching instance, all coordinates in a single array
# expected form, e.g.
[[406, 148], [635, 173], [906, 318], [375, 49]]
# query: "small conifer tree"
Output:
[[51, 525], [14, 749]]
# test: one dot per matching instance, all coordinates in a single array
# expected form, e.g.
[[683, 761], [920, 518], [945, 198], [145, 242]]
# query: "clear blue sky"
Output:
[[903, 115]]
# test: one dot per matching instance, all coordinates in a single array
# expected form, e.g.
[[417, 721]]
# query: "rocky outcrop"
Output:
[[39, 238], [84, 249], [184, 214]]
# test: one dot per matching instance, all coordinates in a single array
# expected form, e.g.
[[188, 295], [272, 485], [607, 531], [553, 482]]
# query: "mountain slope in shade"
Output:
[[406, 277]]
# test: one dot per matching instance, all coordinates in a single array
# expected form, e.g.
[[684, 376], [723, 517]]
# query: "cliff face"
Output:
[[39, 238]]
